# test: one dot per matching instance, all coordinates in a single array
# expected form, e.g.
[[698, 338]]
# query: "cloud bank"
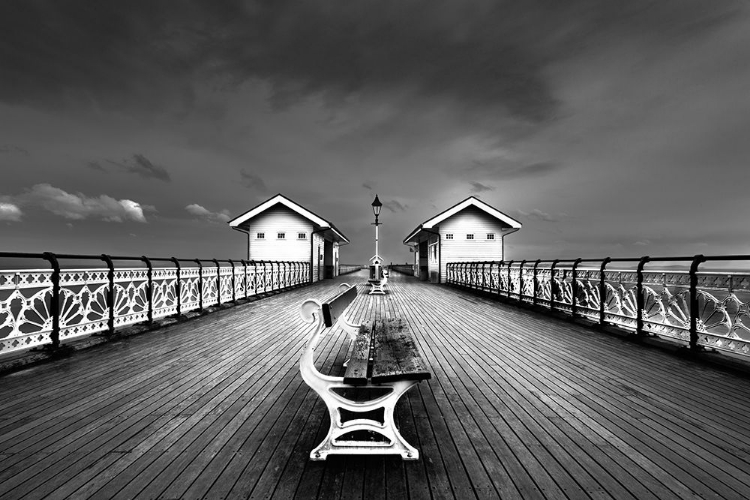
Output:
[[77, 206], [207, 215]]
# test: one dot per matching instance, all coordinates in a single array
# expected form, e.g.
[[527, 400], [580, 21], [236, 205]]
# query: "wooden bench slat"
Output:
[[333, 308], [356, 370], [396, 356]]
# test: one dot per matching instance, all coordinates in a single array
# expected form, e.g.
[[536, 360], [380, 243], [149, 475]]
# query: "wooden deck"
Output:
[[519, 406]]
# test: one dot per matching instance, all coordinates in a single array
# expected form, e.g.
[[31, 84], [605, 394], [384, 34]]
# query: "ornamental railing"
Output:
[[349, 268], [700, 308], [403, 269], [43, 307]]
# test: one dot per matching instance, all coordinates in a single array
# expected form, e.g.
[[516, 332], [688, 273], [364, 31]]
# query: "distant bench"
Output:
[[384, 364], [378, 286]]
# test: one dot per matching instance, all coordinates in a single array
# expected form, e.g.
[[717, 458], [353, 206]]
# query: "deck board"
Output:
[[520, 405]]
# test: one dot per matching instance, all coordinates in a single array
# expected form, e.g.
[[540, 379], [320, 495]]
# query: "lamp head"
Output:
[[376, 206]]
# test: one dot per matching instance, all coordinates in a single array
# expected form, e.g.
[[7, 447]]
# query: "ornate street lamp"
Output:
[[376, 206]]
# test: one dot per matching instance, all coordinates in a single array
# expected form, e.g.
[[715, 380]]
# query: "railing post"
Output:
[[536, 281], [55, 300], [178, 285], [520, 280], [552, 285], [110, 293], [694, 301], [200, 284], [255, 275], [234, 284], [484, 282], [149, 288], [499, 280], [602, 289], [244, 276], [509, 283], [639, 301], [218, 282], [574, 288]]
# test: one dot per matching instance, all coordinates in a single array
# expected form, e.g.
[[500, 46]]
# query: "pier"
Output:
[[520, 405]]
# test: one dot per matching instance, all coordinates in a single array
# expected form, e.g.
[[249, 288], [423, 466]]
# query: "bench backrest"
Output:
[[334, 307]]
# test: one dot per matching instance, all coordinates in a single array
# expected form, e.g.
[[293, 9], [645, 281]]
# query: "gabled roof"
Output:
[[280, 199], [468, 202]]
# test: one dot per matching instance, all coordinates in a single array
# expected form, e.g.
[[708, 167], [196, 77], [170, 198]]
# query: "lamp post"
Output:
[[376, 206]]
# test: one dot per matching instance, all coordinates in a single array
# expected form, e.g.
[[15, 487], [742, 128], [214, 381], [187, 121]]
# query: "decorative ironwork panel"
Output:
[[251, 273], [239, 282], [225, 284], [25, 318], [588, 296], [164, 295], [543, 286], [131, 296], [84, 308], [514, 282], [527, 291], [620, 304], [190, 291], [210, 286], [275, 276]]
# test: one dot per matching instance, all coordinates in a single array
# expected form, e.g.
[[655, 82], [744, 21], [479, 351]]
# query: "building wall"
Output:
[[318, 251], [460, 249], [273, 221], [335, 259]]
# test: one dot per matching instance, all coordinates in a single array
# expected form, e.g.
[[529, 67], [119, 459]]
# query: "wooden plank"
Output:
[[359, 362], [395, 355]]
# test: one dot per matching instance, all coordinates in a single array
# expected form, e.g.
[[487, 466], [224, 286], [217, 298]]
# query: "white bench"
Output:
[[378, 286], [384, 364]]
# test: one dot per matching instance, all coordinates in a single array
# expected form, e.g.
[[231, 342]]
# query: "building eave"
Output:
[[319, 222]]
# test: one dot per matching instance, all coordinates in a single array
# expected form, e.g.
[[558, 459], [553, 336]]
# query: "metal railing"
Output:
[[700, 308], [349, 268], [403, 269], [43, 307]]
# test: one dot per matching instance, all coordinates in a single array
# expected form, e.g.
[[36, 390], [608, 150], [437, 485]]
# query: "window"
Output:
[[281, 236], [301, 236], [260, 236], [469, 236], [449, 236], [490, 236]]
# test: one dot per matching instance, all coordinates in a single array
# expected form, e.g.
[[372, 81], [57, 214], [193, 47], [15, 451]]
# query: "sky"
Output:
[[607, 128]]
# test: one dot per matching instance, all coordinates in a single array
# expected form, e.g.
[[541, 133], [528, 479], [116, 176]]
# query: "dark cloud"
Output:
[[252, 181], [11, 149], [511, 170], [478, 187], [142, 166], [366, 186], [95, 165], [394, 206], [479, 54], [536, 214]]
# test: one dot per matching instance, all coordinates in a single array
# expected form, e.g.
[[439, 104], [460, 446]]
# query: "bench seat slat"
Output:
[[334, 307], [356, 370], [396, 356]]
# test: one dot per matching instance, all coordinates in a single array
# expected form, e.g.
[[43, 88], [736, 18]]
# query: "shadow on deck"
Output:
[[519, 406]]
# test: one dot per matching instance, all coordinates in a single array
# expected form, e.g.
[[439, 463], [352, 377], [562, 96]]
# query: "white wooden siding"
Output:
[[279, 219], [470, 221]]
